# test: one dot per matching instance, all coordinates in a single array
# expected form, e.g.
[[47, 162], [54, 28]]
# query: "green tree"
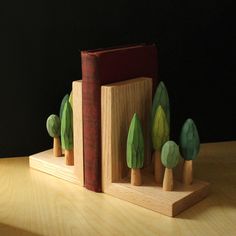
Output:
[[170, 157], [160, 135], [67, 133], [189, 148], [135, 150], [53, 125]]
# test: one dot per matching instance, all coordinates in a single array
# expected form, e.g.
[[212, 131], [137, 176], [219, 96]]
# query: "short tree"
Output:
[[67, 133], [160, 135], [53, 125], [71, 99], [135, 150], [189, 148], [170, 158]]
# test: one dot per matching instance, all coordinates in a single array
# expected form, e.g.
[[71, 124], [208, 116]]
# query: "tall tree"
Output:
[[189, 148], [135, 150], [160, 135], [67, 133]]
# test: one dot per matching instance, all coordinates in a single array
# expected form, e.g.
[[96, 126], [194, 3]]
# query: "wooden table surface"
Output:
[[34, 203]]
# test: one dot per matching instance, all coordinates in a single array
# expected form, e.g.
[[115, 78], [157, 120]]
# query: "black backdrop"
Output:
[[40, 52]]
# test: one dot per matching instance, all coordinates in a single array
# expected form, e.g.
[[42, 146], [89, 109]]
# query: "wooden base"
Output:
[[153, 197], [119, 102], [46, 162]]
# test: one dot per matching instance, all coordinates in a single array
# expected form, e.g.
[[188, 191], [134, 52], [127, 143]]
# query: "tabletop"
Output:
[[34, 203]]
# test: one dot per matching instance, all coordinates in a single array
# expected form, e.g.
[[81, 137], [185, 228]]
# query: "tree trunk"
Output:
[[69, 157], [57, 147], [187, 172], [136, 178], [168, 180], [158, 167]]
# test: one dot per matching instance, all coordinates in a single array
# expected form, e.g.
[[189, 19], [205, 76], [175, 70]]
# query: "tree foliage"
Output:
[[53, 125], [135, 144], [160, 129], [189, 140], [67, 127], [170, 154], [65, 98]]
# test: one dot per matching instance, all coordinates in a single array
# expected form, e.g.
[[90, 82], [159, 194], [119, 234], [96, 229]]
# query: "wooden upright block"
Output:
[[119, 101], [78, 130], [46, 162]]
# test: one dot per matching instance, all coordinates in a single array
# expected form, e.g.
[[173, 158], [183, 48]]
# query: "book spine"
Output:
[[91, 94]]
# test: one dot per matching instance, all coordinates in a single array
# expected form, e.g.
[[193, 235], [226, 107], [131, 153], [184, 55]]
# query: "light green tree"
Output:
[[160, 135]]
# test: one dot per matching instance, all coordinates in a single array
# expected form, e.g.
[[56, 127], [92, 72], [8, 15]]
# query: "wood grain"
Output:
[[34, 203], [78, 130], [47, 163], [119, 102]]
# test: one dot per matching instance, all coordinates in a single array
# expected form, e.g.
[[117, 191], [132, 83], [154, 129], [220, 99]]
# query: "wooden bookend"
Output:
[[119, 102], [46, 162]]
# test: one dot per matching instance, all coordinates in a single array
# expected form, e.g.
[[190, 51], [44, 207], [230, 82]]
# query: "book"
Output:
[[104, 66]]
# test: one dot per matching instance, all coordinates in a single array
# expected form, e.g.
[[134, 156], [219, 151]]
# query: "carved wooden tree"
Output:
[[170, 158], [67, 133], [189, 148], [135, 150], [160, 135], [53, 125]]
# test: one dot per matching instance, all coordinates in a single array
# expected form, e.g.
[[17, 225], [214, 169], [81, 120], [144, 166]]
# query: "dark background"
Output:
[[40, 56]]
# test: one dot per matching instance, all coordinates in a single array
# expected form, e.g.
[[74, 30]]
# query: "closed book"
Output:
[[105, 66]]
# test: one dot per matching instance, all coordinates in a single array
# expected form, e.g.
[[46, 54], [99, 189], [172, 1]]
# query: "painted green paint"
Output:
[[170, 155], [67, 127], [71, 100], [65, 98], [135, 144], [53, 125], [161, 98], [160, 129], [189, 140]]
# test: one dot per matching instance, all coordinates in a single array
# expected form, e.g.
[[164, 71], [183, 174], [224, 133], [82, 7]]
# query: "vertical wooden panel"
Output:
[[119, 103], [78, 130]]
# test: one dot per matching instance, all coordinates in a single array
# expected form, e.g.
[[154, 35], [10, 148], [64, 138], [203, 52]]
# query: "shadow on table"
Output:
[[8, 230]]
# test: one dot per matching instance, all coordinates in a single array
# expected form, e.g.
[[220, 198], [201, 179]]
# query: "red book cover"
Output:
[[101, 67]]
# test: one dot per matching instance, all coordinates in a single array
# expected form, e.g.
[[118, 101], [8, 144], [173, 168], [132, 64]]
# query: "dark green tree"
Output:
[[189, 148]]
